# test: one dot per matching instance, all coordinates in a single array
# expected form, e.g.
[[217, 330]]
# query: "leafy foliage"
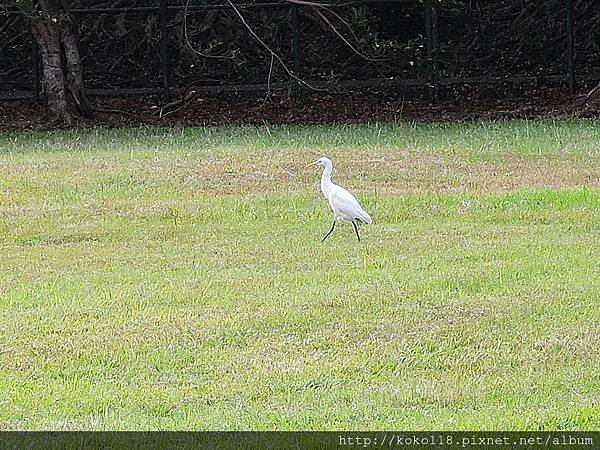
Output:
[[478, 38]]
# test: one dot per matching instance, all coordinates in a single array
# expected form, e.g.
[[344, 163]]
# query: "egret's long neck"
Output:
[[326, 184]]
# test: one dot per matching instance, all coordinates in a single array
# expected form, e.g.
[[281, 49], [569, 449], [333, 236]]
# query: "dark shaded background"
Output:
[[485, 47]]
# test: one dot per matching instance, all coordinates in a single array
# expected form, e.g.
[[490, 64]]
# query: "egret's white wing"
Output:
[[346, 206]]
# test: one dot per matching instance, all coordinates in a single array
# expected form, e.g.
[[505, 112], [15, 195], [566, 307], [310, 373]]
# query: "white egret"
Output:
[[342, 203]]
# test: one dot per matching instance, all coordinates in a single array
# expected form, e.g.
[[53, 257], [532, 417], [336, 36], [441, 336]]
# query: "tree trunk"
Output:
[[47, 37], [62, 80], [73, 67]]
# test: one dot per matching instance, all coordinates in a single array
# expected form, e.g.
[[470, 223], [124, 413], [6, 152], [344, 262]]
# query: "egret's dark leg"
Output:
[[329, 232], [356, 230]]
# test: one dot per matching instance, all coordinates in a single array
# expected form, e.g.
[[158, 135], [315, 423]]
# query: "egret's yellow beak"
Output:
[[312, 164]]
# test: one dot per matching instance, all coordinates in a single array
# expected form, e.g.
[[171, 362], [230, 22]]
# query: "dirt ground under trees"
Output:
[[309, 109]]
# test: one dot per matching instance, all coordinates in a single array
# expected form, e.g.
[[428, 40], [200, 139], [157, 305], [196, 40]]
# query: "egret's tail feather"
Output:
[[364, 217]]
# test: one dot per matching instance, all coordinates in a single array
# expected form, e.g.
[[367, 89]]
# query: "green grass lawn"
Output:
[[174, 279]]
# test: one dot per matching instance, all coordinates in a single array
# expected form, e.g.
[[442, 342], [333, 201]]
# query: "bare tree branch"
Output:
[[182, 103], [354, 49], [269, 78], [592, 93], [187, 40], [307, 3], [273, 54], [341, 19]]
